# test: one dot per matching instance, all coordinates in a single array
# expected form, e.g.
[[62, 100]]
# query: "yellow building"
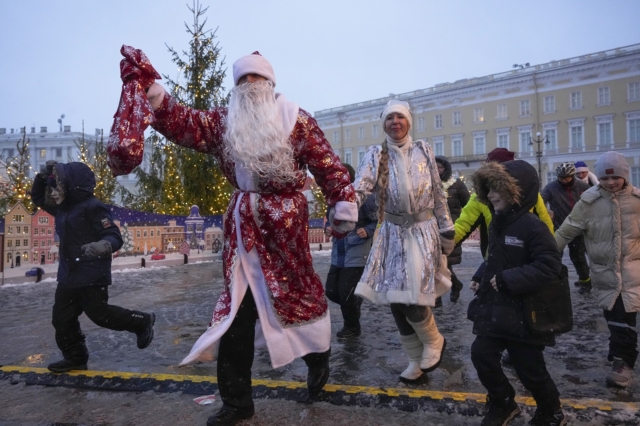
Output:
[[566, 110]]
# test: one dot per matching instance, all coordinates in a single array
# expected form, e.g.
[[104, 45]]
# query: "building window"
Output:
[[18, 230], [437, 121], [502, 138], [635, 176], [137, 234], [552, 136], [438, 145], [604, 96], [457, 118], [35, 231], [360, 133], [633, 91], [43, 153], [456, 146], [348, 134], [634, 130], [550, 104], [26, 256], [421, 124], [576, 137], [26, 229], [336, 137], [18, 218], [479, 143], [49, 231], [361, 152], [17, 243], [152, 232], [58, 152], [525, 139], [347, 156], [144, 234], [374, 131], [43, 219], [525, 108], [35, 243], [501, 114], [10, 230], [25, 243], [9, 243], [604, 134], [478, 115], [576, 100]]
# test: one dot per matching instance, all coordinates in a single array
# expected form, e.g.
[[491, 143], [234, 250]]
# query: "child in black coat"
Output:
[[88, 237], [522, 255]]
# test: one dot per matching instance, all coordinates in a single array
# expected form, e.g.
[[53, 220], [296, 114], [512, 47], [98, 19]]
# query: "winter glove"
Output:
[[447, 242], [340, 226], [48, 169], [100, 248]]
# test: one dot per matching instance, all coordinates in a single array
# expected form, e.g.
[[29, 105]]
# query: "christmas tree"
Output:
[[15, 188], [127, 239], [172, 196], [150, 183], [202, 69], [106, 184], [320, 202], [83, 146]]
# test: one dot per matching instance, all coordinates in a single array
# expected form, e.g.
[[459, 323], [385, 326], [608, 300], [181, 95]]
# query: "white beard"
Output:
[[255, 136]]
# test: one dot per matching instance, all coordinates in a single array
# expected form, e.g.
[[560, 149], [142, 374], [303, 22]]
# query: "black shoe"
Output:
[[499, 412], [318, 374], [581, 283], [65, 365], [585, 289], [347, 332], [229, 416], [146, 335], [455, 291], [438, 302], [546, 418]]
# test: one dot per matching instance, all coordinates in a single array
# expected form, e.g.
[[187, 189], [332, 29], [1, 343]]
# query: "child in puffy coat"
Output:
[[607, 216], [88, 237], [522, 255]]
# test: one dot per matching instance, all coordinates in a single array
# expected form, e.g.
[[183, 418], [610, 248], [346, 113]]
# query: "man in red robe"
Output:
[[264, 144]]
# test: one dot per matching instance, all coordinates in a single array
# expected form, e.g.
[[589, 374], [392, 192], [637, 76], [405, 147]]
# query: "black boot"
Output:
[[145, 333], [318, 374], [499, 412], [548, 418], [65, 365], [456, 287], [230, 415], [351, 317]]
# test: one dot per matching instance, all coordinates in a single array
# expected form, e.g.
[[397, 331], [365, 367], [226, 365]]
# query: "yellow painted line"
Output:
[[577, 404]]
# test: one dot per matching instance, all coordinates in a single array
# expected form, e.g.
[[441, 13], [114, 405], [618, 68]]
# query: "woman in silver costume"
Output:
[[406, 268]]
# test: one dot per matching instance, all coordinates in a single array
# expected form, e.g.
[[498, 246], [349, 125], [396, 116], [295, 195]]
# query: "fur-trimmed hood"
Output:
[[76, 180], [517, 180], [446, 175]]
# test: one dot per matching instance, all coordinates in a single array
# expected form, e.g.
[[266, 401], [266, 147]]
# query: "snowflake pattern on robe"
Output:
[[277, 223]]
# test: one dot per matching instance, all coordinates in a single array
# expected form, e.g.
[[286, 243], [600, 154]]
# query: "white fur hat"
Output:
[[253, 64], [612, 163], [401, 107]]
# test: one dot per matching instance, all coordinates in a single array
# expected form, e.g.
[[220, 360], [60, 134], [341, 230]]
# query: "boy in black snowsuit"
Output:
[[522, 255], [88, 237]]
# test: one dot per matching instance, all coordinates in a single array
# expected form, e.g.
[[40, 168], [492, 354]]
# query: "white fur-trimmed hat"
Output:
[[612, 163], [401, 107], [253, 64]]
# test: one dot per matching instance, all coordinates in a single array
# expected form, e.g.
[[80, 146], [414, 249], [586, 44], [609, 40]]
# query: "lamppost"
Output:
[[538, 140]]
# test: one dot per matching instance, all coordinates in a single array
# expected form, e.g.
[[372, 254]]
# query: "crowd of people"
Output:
[[397, 224]]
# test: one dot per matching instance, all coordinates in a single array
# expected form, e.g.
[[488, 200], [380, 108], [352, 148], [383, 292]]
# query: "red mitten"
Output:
[[134, 114]]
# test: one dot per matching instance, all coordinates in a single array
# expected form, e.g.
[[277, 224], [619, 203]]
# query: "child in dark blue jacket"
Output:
[[88, 237], [522, 256]]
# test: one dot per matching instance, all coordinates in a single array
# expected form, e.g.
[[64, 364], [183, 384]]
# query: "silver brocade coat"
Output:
[[403, 262]]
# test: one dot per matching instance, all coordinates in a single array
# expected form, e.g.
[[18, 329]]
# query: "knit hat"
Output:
[[581, 166], [253, 64], [612, 163], [401, 107], [500, 155]]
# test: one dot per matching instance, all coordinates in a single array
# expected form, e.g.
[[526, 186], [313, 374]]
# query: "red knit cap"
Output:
[[500, 155]]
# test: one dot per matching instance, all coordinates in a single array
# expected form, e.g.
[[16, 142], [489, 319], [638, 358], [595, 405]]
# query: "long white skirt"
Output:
[[284, 344]]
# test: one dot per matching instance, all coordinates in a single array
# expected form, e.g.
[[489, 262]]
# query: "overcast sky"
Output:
[[62, 57]]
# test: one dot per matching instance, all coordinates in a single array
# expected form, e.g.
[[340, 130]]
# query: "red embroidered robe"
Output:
[[277, 225]]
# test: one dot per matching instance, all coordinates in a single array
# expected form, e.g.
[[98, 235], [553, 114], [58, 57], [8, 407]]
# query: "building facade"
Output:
[[567, 110]]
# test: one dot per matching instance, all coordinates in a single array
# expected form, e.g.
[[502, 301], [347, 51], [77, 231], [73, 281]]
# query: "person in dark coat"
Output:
[[522, 255], [88, 237], [457, 198], [349, 255], [562, 195]]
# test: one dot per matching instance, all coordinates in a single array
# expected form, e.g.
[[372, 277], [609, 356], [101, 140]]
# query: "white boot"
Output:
[[414, 348], [434, 343]]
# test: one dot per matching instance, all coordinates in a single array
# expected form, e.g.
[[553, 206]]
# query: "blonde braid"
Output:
[[383, 180]]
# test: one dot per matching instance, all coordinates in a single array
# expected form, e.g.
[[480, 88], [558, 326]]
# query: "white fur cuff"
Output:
[[347, 211]]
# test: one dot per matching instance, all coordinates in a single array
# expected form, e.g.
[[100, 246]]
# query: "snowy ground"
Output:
[[182, 298]]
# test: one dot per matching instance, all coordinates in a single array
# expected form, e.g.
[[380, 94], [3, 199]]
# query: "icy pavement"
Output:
[[182, 298]]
